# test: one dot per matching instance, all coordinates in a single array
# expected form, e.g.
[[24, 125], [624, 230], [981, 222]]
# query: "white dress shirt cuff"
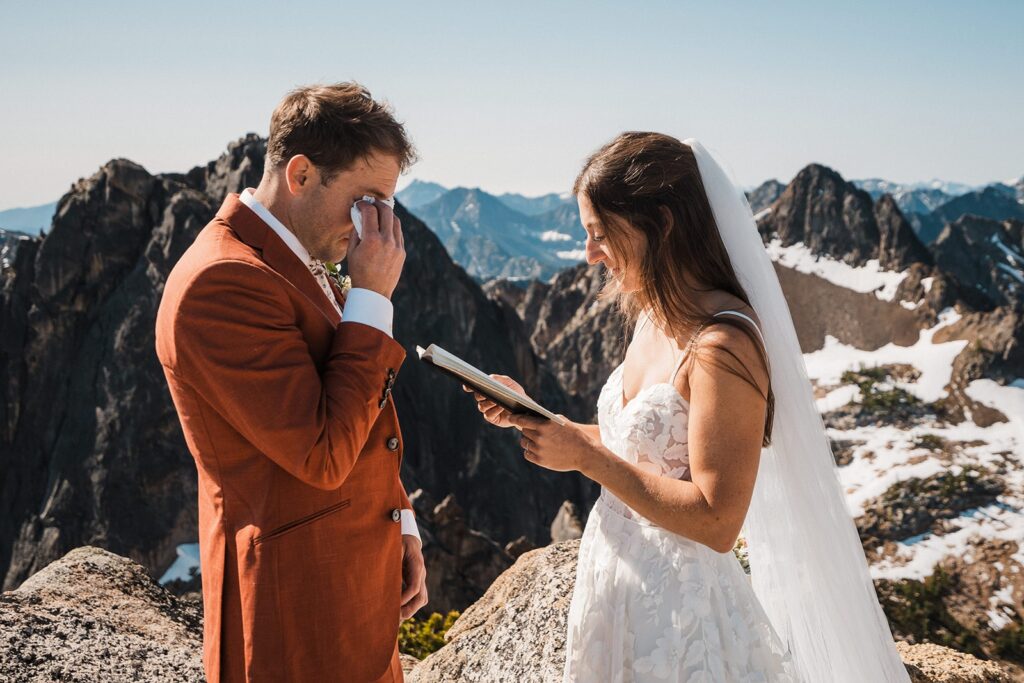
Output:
[[370, 308], [409, 524]]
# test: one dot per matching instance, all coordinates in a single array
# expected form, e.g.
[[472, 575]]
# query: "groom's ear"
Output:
[[300, 174]]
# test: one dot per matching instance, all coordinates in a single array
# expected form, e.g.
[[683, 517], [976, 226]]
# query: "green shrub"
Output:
[[931, 442], [875, 374], [420, 637], [1010, 643], [916, 609], [874, 398]]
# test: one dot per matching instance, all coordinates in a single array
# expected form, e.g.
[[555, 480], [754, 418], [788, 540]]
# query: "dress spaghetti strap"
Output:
[[693, 339], [748, 319]]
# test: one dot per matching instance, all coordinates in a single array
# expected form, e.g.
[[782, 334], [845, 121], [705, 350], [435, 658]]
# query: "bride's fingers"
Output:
[[494, 413]]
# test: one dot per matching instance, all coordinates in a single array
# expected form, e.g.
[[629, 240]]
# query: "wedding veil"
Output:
[[807, 564]]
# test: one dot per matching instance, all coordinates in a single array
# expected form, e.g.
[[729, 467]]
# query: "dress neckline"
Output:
[[624, 403]]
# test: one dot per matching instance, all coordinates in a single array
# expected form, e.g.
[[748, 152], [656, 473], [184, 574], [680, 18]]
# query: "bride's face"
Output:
[[623, 267]]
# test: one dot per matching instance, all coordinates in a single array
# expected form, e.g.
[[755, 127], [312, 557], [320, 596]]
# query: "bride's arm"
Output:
[[726, 422], [592, 431]]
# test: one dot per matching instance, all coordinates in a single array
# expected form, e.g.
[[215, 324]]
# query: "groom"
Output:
[[310, 555]]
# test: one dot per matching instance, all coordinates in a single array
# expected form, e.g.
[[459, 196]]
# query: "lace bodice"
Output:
[[650, 430]]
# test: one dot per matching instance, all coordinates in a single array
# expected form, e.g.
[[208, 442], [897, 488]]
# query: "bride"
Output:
[[709, 425]]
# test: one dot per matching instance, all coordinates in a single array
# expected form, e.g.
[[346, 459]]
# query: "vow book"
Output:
[[451, 364]]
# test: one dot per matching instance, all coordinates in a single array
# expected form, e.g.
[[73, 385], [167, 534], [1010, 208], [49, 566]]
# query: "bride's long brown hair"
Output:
[[636, 178]]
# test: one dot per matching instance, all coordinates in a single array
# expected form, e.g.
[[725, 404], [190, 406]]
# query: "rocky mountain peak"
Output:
[[827, 214], [835, 218], [765, 194], [986, 254], [898, 246]]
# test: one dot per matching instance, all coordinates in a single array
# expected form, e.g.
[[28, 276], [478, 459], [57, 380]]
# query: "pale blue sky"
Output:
[[512, 97]]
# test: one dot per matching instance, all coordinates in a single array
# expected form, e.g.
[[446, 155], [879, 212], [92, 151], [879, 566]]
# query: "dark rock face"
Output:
[[898, 247], [580, 336], [764, 195], [996, 350], [827, 214], [834, 218], [986, 254], [821, 308], [95, 616], [461, 562], [91, 450]]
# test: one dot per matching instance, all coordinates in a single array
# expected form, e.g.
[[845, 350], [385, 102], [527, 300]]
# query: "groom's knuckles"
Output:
[[370, 222]]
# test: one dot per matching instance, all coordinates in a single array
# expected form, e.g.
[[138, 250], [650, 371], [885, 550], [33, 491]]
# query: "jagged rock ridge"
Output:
[[91, 450]]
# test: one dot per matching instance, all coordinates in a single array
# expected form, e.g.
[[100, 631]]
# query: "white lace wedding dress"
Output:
[[650, 605]]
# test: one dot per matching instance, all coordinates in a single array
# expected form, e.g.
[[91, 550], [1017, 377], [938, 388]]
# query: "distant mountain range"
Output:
[[515, 237], [31, 220], [930, 206], [508, 236], [421, 192]]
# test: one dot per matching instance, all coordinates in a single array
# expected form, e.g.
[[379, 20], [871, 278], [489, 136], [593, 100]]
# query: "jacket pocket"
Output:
[[295, 524]]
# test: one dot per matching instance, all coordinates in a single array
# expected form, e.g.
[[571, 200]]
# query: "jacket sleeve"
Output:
[[237, 343]]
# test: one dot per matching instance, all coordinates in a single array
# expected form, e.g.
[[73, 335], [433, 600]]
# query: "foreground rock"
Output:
[[929, 663], [96, 616], [516, 632]]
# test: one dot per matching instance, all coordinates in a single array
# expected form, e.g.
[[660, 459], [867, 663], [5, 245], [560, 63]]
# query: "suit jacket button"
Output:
[[393, 443], [396, 515]]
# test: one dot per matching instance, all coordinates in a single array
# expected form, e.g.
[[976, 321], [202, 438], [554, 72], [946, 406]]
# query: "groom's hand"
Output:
[[414, 577], [375, 261]]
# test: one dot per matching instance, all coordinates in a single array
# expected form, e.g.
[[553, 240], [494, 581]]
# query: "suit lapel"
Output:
[[257, 234]]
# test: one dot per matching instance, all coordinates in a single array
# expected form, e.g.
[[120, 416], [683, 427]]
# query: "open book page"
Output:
[[481, 382]]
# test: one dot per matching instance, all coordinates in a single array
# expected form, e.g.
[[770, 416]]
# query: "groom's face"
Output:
[[321, 213]]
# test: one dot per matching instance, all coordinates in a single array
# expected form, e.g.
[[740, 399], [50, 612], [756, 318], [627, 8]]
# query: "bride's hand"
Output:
[[492, 412], [561, 448]]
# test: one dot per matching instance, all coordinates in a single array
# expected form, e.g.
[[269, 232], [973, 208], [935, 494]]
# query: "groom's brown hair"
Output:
[[335, 125]]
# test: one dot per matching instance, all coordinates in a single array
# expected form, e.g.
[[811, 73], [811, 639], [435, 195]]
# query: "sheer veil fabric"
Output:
[[808, 568]]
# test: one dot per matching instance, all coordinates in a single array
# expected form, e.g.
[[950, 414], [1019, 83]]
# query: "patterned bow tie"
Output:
[[319, 270]]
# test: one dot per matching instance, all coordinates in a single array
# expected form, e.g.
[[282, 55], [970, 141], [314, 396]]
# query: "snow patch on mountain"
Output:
[[572, 254], [934, 361], [884, 455], [870, 277]]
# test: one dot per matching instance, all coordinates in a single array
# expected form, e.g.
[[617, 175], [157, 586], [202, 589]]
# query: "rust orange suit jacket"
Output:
[[288, 415]]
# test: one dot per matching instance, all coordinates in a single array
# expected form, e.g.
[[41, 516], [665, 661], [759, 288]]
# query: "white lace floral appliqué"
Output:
[[650, 605]]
